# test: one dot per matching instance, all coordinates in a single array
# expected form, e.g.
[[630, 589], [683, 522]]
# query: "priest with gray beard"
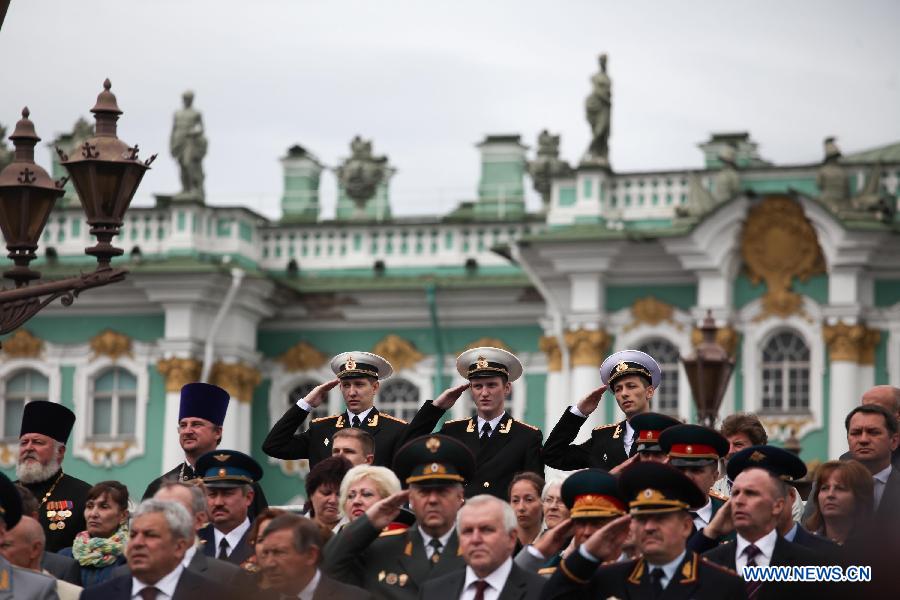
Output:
[[42, 446]]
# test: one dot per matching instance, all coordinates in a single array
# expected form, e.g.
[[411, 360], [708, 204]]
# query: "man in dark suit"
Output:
[[758, 498], [290, 552], [161, 532], [502, 445], [633, 377], [359, 375], [659, 499], [394, 564], [201, 415], [228, 476], [487, 537]]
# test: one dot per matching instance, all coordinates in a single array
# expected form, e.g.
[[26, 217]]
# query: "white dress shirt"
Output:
[[310, 589], [880, 479], [302, 403], [165, 587], [189, 556], [426, 539], [493, 423], [668, 568], [790, 535], [704, 515], [495, 581], [766, 544], [234, 537]]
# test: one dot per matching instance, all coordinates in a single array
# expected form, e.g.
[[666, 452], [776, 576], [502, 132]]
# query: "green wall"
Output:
[[80, 329], [745, 292]]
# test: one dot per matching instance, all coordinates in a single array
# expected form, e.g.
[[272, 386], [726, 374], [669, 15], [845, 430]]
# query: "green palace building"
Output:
[[799, 265]]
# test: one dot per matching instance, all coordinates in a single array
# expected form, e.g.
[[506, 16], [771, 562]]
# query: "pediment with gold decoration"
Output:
[[401, 353]]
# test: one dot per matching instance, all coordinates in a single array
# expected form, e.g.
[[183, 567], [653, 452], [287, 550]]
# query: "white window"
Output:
[[23, 386], [399, 398], [785, 374], [665, 399], [113, 405]]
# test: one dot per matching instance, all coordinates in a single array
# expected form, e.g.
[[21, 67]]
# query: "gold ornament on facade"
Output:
[[778, 243], [22, 344], [851, 343], [9, 454], [487, 342], [237, 379], [651, 311], [105, 454], [302, 357], [179, 372], [781, 428], [549, 345], [112, 344], [398, 351], [726, 337], [587, 347]]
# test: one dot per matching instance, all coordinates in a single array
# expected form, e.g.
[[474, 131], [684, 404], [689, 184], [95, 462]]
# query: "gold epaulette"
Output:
[[456, 421], [710, 563], [547, 571], [599, 427], [389, 532], [393, 418], [526, 424], [324, 418], [718, 495]]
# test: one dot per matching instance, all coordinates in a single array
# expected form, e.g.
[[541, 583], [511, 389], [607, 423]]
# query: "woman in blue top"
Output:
[[101, 548]]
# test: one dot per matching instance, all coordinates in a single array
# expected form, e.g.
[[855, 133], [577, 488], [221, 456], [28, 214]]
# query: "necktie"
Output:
[[355, 421], [752, 587], [148, 593], [436, 553], [656, 577], [485, 431], [223, 550], [480, 586], [694, 516]]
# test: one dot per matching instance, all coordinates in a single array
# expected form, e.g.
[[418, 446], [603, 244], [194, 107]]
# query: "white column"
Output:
[[236, 430], [172, 452], [866, 380], [554, 403], [844, 395]]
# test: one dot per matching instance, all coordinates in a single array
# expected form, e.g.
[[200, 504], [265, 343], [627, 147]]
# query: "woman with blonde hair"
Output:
[[363, 486]]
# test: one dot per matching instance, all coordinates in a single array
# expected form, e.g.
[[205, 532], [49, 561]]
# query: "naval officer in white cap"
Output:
[[633, 376], [359, 374], [502, 445]]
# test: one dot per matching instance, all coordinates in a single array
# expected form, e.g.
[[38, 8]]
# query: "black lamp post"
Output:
[[708, 372], [106, 174]]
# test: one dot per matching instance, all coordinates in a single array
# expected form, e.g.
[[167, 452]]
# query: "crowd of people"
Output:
[[648, 507]]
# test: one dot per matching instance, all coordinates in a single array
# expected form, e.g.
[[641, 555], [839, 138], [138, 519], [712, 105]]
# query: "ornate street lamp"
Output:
[[106, 173], [708, 373]]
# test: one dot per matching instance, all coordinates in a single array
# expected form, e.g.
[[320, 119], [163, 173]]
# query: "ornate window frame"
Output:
[[87, 368], [49, 367]]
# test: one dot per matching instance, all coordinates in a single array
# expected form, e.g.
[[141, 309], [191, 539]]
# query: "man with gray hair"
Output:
[[486, 527], [23, 546], [161, 533]]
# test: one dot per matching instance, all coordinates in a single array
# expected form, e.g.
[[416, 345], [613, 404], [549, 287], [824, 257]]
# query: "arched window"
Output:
[[301, 391], [399, 397], [24, 386], [665, 399], [785, 374], [113, 406]]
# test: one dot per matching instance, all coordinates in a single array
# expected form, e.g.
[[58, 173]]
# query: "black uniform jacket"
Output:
[[392, 565], [315, 443], [519, 585], [512, 448], [184, 472], [238, 555], [605, 449], [696, 577], [64, 506]]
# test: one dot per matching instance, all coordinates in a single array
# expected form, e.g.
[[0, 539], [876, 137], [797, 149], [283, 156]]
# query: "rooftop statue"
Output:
[[362, 172], [188, 146], [598, 108], [6, 155], [726, 184], [547, 165], [834, 189]]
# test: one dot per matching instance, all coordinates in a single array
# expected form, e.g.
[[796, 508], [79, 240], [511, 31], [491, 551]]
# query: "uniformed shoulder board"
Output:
[[320, 419], [547, 571], [718, 495], [524, 424], [393, 418], [599, 427], [456, 421], [722, 568], [389, 532]]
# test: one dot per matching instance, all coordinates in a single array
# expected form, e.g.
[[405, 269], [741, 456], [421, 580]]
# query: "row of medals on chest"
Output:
[[57, 512]]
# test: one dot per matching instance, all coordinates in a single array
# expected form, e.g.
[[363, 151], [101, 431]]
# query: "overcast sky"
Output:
[[428, 79]]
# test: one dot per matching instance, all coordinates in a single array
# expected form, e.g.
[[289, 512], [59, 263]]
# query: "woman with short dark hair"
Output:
[[323, 486]]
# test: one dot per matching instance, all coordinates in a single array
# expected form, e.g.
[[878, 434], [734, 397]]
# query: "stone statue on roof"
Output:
[[188, 145], [598, 109], [833, 179], [726, 184], [547, 165], [6, 155], [362, 172]]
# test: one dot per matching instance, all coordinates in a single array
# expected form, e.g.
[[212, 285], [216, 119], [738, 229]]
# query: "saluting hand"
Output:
[[320, 393], [624, 465], [553, 540], [449, 397], [721, 523], [606, 543], [382, 513], [589, 403]]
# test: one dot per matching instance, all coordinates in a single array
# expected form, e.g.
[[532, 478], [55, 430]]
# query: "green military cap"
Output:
[[592, 494], [778, 461], [693, 445], [434, 460], [228, 468], [652, 487], [10, 502], [649, 426]]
